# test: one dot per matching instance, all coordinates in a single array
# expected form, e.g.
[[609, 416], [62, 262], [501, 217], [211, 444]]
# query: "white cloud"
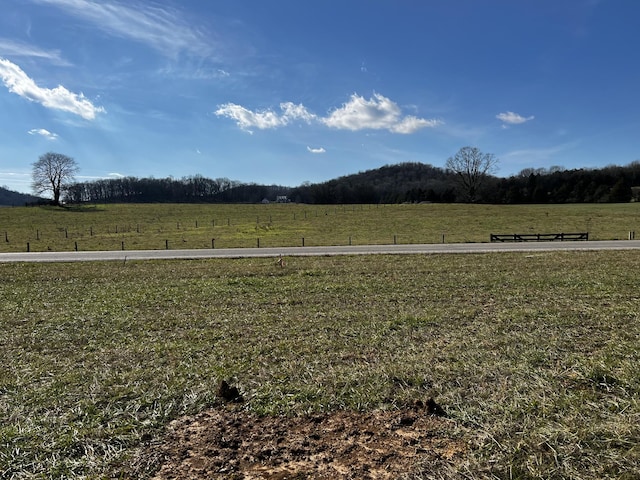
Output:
[[58, 98], [512, 118], [316, 150], [377, 113], [159, 27], [266, 119], [246, 119], [411, 124], [43, 132], [292, 111]]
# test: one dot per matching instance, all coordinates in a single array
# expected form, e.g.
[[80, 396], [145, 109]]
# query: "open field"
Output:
[[161, 226], [533, 357]]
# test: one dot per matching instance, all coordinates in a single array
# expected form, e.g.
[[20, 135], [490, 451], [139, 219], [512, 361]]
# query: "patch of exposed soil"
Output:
[[228, 442]]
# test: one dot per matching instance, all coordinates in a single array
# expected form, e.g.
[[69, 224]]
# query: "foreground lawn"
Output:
[[535, 358]]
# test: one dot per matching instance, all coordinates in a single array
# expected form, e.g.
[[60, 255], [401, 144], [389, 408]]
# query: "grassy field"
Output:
[[534, 357], [153, 226]]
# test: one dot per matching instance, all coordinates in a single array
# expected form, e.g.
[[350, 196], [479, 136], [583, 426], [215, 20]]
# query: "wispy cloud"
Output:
[[15, 180], [540, 157], [12, 48], [59, 98], [159, 27], [316, 150], [377, 113], [44, 133], [540, 154], [512, 118]]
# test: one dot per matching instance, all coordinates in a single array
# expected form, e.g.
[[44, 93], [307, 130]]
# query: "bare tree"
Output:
[[51, 173], [471, 168]]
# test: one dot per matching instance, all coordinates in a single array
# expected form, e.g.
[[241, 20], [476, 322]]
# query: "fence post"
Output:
[[28, 247], [213, 243], [166, 244], [122, 245], [303, 241], [76, 246], [258, 242]]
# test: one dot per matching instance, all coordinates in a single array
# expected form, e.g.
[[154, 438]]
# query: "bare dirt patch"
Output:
[[228, 442]]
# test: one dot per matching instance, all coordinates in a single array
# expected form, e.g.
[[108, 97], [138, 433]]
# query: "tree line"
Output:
[[401, 183], [416, 182], [467, 177], [191, 189]]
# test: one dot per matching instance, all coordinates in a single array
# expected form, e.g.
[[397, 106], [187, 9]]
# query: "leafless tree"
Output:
[[471, 168], [51, 173]]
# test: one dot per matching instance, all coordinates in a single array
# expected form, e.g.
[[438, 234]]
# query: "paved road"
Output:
[[318, 251]]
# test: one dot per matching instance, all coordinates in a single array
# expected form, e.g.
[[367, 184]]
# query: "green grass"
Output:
[[153, 226], [534, 357]]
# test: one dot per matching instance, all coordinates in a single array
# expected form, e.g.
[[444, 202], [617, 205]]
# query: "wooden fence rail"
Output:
[[538, 237]]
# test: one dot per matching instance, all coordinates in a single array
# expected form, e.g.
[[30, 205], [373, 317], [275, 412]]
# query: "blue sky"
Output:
[[289, 91]]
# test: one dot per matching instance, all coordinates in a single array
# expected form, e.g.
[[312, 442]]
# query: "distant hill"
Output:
[[403, 182], [9, 198]]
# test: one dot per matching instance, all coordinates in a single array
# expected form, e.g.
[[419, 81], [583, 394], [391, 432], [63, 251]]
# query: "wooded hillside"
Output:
[[15, 199], [405, 182]]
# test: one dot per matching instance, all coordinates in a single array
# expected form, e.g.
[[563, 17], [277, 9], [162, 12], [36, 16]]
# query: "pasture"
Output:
[[177, 226], [533, 357]]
